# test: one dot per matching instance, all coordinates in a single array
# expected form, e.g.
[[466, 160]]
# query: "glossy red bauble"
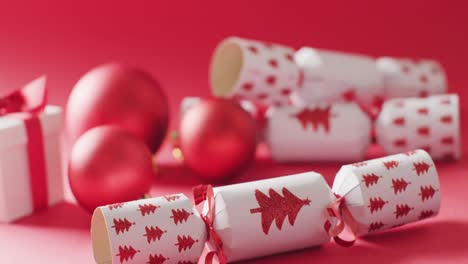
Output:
[[217, 139], [114, 94], [109, 165]]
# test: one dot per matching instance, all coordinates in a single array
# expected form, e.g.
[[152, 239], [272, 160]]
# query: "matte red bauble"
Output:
[[109, 165], [114, 94], [217, 139]]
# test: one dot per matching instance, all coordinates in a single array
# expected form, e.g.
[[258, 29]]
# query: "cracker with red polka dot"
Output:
[[430, 123], [412, 78], [254, 70]]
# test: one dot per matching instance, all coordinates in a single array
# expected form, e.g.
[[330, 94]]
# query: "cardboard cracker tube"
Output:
[[318, 132], [254, 70], [412, 78], [391, 191], [333, 76], [271, 216]]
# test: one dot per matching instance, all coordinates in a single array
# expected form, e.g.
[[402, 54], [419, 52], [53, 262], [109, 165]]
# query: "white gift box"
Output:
[[332, 76], [318, 132], [391, 191], [431, 123], [411, 78], [271, 216], [16, 195], [165, 229]]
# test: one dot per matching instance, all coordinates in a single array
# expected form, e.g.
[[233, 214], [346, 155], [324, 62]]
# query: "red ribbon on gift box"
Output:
[[27, 103], [202, 193]]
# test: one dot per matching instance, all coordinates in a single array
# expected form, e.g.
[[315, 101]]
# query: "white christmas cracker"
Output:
[[318, 132], [431, 123], [411, 78], [254, 70], [271, 216], [166, 229], [331, 76], [390, 191]]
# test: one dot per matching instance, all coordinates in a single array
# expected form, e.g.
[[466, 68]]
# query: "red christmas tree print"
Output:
[[170, 198], [427, 192], [421, 167], [153, 233], [391, 164], [115, 206], [376, 204], [399, 121], [126, 253], [315, 117], [375, 226], [370, 179], [401, 142], [423, 111], [447, 140], [402, 210], [180, 215], [185, 242], [399, 185], [426, 214], [447, 119], [359, 164], [146, 209], [122, 225], [423, 131], [156, 259], [277, 207]]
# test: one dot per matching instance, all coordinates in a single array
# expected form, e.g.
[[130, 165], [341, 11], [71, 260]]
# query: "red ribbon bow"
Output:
[[29, 101], [340, 211], [202, 193]]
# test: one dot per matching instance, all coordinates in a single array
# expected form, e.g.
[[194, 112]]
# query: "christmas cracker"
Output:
[[432, 124], [266, 217], [333, 76], [254, 70], [318, 132], [389, 192], [411, 78], [166, 229], [271, 216]]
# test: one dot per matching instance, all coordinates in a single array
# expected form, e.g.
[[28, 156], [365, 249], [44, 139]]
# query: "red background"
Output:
[[174, 41]]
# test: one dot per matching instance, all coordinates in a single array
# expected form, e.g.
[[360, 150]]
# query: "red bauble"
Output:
[[217, 139], [126, 97], [109, 165]]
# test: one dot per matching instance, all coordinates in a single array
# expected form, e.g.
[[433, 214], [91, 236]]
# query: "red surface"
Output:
[[174, 42]]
